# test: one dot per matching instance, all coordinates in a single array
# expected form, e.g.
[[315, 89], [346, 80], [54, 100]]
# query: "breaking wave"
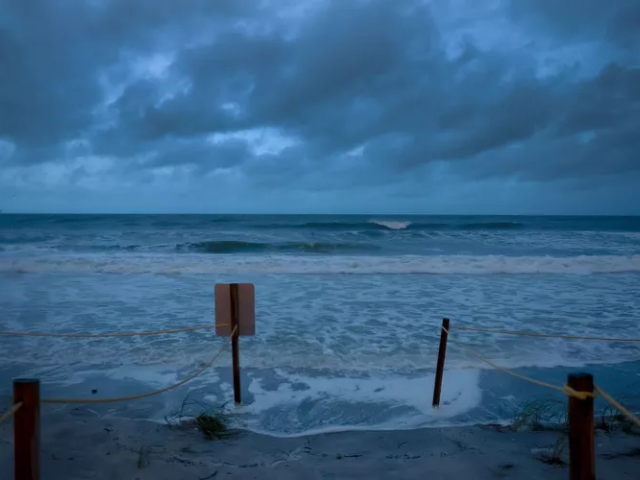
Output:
[[318, 264], [231, 246], [392, 225]]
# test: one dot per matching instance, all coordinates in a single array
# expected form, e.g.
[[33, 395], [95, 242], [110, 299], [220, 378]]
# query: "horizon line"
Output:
[[336, 214]]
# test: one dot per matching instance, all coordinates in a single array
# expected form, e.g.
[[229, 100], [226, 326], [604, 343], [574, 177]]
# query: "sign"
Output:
[[245, 309]]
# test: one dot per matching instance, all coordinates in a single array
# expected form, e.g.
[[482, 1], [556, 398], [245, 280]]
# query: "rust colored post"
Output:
[[233, 288], [26, 429], [582, 464], [442, 352]]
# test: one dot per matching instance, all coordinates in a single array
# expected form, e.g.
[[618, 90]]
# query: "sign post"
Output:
[[235, 316], [233, 297], [442, 353]]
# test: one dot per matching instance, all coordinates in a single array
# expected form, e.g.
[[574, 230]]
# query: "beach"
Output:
[[77, 443]]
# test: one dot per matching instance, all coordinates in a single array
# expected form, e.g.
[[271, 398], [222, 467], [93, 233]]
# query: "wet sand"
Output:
[[78, 443]]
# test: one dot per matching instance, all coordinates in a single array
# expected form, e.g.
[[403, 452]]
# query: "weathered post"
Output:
[[442, 352], [582, 465], [26, 429], [235, 327]]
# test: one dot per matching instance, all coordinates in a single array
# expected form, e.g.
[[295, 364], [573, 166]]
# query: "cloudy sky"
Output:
[[372, 106]]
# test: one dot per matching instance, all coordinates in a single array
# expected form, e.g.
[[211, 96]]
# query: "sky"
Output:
[[319, 106]]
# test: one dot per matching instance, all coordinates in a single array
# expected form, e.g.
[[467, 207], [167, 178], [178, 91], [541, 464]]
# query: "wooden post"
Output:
[[26, 429], [442, 352], [233, 288], [582, 465]]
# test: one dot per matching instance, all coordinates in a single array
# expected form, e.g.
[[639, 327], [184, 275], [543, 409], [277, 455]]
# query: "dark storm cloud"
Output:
[[593, 20], [52, 56], [378, 77], [202, 154]]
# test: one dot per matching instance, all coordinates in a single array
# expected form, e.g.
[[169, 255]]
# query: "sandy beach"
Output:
[[78, 443]]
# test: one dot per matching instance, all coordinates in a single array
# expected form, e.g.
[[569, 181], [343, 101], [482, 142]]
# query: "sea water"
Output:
[[348, 311]]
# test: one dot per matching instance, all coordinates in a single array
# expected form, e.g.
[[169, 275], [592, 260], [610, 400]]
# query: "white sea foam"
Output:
[[393, 402], [329, 322], [391, 224], [282, 264], [391, 390]]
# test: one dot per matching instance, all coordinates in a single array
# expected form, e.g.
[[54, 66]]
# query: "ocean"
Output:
[[348, 310]]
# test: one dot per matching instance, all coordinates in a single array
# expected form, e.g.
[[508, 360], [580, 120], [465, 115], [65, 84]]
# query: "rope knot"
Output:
[[576, 394]]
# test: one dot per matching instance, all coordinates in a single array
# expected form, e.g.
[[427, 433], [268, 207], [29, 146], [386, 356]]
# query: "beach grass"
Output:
[[541, 415], [551, 415], [557, 454], [212, 425], [143, 458], [210, 421], [611, 419]]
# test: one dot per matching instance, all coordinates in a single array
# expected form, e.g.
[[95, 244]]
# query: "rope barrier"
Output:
[[102, 335], [566, 389], [142, 395], [545, 335], [617, 405], [10, 413]]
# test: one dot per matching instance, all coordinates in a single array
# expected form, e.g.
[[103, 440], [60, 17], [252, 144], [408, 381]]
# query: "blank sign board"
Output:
[[245, 309]]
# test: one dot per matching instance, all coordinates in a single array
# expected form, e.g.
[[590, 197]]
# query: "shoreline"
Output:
[[79, 443]]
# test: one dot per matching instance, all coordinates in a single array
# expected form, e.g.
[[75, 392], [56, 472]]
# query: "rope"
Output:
[[545, 335], [13, 410], [142, 395], [101, 335], [566, 389], [617, 405]]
